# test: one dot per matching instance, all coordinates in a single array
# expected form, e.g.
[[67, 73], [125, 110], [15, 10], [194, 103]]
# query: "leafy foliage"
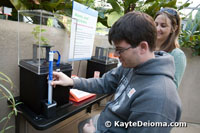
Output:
[[148, 6], [54, 6], [106, 16], [36, 32], [190, 35], [5, 91]]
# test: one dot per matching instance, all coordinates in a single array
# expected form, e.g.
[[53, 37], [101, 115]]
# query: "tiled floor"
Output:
[[191, 128]]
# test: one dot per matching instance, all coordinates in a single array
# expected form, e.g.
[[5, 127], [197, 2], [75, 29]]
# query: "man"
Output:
[[144, 89]]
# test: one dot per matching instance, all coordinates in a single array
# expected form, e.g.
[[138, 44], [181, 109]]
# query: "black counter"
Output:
[[39, 122]]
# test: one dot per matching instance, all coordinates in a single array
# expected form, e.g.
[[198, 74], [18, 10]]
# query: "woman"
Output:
[[168, 25]]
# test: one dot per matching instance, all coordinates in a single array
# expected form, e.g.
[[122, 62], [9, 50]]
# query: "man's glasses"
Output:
[[169, 11], [119, 51]]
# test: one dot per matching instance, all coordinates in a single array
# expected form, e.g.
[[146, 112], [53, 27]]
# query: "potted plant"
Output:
[[41, 42], [36, 33]]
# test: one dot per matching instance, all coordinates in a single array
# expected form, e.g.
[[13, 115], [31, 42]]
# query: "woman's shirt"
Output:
[[180, 65]]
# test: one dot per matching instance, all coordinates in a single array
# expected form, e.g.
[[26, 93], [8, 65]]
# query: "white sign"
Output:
[[82, 32], [7, 10]]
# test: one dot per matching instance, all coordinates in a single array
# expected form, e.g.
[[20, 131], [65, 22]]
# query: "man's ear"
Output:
[[144, 47]]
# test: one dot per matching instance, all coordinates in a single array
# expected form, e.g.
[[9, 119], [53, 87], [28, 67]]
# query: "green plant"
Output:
[[106, 16], [190, 35], [55, 6], [6, 93], [119, 8], [36, 33]]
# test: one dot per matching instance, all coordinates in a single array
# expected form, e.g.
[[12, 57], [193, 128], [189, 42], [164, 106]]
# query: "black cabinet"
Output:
[[95, 65]]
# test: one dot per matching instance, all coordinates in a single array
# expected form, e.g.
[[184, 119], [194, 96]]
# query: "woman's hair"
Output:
[[172, 40]]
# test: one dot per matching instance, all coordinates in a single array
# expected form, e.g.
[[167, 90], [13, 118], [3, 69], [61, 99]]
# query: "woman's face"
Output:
[[164, 27]]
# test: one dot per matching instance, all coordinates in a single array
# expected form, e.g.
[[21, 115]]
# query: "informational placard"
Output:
[[82, 32], [7, 10]]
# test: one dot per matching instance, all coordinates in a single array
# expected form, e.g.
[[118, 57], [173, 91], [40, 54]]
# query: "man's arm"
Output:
[[107, 84]]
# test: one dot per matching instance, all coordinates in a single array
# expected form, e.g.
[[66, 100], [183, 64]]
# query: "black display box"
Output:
[[34, 86], [99, 65]]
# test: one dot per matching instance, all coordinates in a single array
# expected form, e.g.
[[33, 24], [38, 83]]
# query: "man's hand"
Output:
[[60, 78], [89, 127]]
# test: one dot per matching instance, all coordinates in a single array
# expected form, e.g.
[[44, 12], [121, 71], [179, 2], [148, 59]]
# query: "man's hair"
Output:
[[172, 40], [134, 27]]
